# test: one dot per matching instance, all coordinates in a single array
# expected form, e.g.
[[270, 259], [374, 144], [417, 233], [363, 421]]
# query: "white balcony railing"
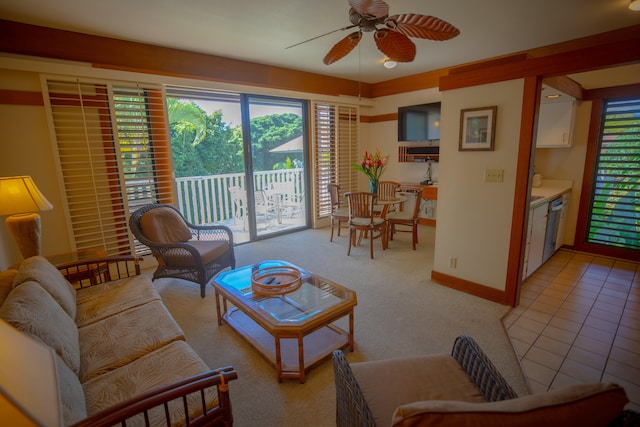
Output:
[[207, 199]]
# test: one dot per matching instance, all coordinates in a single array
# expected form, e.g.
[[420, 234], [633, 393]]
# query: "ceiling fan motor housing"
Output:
[[367, 23]]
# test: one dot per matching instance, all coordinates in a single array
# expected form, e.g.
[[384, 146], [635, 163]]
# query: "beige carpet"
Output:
[[400, 312]]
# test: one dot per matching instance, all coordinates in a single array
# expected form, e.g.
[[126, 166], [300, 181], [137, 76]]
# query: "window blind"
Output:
[[335, 151], [113, 156], [615, 208]]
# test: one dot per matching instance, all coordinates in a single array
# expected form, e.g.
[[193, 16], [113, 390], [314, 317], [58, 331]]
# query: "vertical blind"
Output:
[[615, 208], [335, 151], [113, 156]]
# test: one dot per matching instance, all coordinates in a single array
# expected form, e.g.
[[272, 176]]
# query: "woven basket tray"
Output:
[[276, 280]]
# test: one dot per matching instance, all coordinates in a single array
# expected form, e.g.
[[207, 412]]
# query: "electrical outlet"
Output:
[[493, 175], [453, 262]]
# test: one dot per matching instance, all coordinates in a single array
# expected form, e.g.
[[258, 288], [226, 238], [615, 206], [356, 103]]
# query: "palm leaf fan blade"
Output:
[[342, 48], [422, 26], [376, 8], [396, 46]]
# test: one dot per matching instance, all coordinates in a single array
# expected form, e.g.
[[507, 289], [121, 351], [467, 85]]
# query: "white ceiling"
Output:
[[259, 31]]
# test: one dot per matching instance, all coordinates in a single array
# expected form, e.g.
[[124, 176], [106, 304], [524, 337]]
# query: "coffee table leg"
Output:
[[217, 297], [278, 359], [301, 357], [351, 330]]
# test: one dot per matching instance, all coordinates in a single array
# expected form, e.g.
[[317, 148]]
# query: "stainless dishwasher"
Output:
[[551, 234]]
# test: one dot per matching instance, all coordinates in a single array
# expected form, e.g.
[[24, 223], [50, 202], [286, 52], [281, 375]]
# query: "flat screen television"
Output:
[[419, 122]]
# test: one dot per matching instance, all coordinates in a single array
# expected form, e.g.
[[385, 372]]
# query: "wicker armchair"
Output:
[[463, 388], [183, 250]]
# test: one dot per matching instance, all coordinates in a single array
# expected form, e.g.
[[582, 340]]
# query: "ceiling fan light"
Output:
[[388, 63], [634, 5]]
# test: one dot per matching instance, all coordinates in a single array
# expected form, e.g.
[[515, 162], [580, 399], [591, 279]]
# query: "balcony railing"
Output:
[[207, 199]]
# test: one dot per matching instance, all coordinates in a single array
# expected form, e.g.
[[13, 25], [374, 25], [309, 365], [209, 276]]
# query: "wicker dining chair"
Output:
[[183, 250], [339, 214], [399, 220], [363, 219]]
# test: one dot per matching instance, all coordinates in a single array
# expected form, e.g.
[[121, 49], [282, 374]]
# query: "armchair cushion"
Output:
[[581, 405], [387, 384], [72, 401], [164, 225], [40, 270], [32, 310], [209, 251]]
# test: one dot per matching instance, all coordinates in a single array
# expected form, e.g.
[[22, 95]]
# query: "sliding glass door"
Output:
[[240, 160]]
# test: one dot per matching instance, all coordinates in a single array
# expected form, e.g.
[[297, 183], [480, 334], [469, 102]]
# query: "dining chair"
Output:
[[363, 219], [386, 191], [339, 214], [398, 221]]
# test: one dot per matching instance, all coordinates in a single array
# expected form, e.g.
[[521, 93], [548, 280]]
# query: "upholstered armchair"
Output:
[[464, 388], [183, 250]]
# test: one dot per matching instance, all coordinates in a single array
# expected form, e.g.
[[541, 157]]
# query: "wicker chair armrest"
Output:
[[351, 406], [160, 397], [481, 370], [106, 269], [212, 232]]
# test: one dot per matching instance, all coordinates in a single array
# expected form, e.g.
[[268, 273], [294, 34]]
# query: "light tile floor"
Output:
[[579, 321]]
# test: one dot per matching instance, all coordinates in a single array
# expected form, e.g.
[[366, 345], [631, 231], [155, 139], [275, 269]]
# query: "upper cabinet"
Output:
[[555, 119]]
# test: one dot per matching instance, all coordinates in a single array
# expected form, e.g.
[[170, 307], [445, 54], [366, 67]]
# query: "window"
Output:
[[113, 157], [614, 218], [335, 151]]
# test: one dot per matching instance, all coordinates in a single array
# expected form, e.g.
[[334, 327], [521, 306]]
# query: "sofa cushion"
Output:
[[173, 362], [118, 340], [32, 310], [387, 384], [108, 299], [582, 405], [6, 283], [40, 270], [164, 225], [74, 408]]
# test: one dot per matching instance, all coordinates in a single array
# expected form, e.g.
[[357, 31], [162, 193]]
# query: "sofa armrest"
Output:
[[481, 370], [351, 406], [91, 272], [219, 415]]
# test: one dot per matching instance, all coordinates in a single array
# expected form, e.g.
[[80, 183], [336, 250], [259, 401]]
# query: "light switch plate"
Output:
[[493, 175]]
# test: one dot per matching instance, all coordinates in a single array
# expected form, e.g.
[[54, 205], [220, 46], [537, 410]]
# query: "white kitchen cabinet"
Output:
[[555, 124], [535, 238]]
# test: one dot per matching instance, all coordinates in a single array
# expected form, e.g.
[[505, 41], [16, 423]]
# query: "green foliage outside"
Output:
[[206, 145]]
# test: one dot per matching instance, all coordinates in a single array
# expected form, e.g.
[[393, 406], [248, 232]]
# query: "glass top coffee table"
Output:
[[294, 331]]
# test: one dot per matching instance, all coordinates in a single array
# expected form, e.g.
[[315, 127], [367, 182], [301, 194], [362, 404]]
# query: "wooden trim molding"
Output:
[[468, 287], [379, 118], [110, 53], [20, 97]]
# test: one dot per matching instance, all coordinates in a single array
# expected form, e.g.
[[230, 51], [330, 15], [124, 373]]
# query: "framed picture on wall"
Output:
[[477, 129]]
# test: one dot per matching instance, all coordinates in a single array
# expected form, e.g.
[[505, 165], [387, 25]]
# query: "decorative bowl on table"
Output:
[[276, 280]]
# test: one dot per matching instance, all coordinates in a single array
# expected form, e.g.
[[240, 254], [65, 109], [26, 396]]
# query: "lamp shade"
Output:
[[28, 381], [19, 194]]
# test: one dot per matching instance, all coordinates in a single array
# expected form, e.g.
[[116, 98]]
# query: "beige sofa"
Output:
[[116, 344]]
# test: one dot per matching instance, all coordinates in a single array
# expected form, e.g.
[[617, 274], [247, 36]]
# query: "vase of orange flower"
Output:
[[372, 164]]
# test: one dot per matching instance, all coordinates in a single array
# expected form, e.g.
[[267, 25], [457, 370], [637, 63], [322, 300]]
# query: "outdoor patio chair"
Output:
[[183, 250]]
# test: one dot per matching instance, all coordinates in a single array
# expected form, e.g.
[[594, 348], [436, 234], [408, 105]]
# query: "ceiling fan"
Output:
[[393, 40]]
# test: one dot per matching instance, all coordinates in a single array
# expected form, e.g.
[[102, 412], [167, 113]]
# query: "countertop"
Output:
[[549, 190]]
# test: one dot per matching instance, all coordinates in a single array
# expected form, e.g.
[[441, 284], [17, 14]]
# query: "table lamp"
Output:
[[21, 199], [29, 393]]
